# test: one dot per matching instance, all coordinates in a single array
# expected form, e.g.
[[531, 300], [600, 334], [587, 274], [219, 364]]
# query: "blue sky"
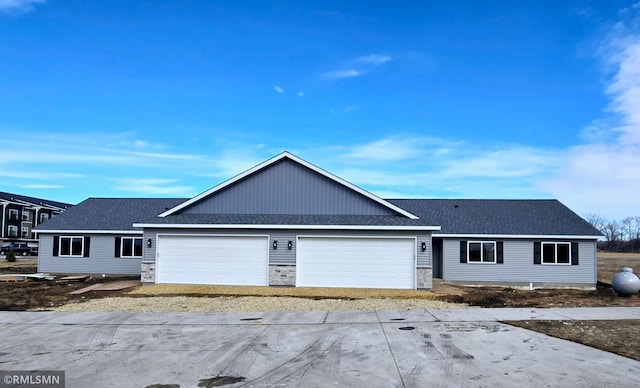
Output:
[[433, 99]]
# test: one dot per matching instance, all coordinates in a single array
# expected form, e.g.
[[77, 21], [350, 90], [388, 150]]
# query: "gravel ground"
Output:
[[248, 304]]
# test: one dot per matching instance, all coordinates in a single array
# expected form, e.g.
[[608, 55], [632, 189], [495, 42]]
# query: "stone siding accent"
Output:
[[282, 275], [424, 278], [148, 273]]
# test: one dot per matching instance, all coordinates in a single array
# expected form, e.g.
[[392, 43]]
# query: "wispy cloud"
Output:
[[357, 67], [603, 172], [278, 89], [374, 59], [387, 150], [341, 74], [18, 6], [153, 186], [41, 186]]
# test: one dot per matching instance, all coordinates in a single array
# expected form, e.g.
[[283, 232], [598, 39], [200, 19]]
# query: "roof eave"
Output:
[[285, 226], [516, 236], [87, 231]]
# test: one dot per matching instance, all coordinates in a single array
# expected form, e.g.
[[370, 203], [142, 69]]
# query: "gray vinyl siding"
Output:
[[284, 256], [518, 265], [288, 188], [101, 258]]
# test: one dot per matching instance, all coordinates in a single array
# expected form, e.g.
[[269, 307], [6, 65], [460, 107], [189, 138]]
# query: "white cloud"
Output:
[[40, 186], [153, 186], [374, 59], [18, 6], [278, 89], [603, 175], [387, 149], [301, 94], [341, 74]]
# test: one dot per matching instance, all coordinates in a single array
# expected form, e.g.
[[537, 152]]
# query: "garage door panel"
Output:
[[228, 260], [355, 262]]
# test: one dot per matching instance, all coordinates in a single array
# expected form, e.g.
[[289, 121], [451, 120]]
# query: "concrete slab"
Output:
[[416, 315], [300, 349], [597, 313]]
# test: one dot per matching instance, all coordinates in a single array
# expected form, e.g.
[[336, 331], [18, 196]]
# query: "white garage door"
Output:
[[356, 262], [230, 260]]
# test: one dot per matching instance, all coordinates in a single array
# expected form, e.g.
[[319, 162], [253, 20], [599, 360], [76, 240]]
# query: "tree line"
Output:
[[620, 236]]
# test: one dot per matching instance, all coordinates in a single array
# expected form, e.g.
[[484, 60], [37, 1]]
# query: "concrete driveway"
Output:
[[408, 348]]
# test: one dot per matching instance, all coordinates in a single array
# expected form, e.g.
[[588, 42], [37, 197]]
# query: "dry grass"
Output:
[[21, 261], [609, 264], [299, 292]]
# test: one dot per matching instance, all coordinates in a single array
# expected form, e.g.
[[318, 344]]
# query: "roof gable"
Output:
[[287, 185]]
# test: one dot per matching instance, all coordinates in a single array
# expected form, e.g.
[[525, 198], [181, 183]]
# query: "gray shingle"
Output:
[[455, 216], [109, 213], [33, 200], [497, 216]]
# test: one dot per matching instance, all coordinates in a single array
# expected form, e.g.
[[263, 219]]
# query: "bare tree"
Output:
[[598, 221], [636, 227], [627, 231], [612, 231]]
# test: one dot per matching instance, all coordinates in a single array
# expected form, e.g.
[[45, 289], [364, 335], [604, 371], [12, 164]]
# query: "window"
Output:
[[44, 217], [71, 246], [25, 215], [13, 214], [482, 252], [556, 253], [131, 247], [13, 231], [488, 252], [26, 232], [128, 247]]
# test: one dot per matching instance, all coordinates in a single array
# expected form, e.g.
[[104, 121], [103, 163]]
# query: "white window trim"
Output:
[[70, 246], [122, 255], [495, 252], [15, 231], [44, 217], [16, 212], [555, 243]]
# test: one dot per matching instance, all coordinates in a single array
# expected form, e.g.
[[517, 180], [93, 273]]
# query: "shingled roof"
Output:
[[33, 200], [108, 214], [454, 216], [499, 217]]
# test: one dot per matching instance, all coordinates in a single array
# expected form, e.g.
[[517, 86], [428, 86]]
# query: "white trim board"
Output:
[[515, 236], [278, 226], [87, 231], [297, 160]]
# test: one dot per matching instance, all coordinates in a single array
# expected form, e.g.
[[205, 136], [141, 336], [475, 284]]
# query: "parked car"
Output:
[[19, 249]]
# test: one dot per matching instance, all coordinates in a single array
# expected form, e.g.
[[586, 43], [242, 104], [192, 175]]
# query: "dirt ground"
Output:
[[19, 296], [621, 337]]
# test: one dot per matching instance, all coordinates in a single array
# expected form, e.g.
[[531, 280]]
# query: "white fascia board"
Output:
[[516, 236], [300, 161], [280, 226], [87, 231]]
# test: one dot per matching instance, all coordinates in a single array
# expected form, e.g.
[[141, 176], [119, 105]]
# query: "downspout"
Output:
[[4, 206]]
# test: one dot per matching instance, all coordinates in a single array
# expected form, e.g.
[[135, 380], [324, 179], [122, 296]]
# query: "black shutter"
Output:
[[116, 252], [500, 252], [87, 246], [537, 252], [574, 253], [463, 251], [56, 245]]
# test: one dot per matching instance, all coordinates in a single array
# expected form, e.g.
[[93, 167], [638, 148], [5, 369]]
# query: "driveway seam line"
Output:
[[390, 350]]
